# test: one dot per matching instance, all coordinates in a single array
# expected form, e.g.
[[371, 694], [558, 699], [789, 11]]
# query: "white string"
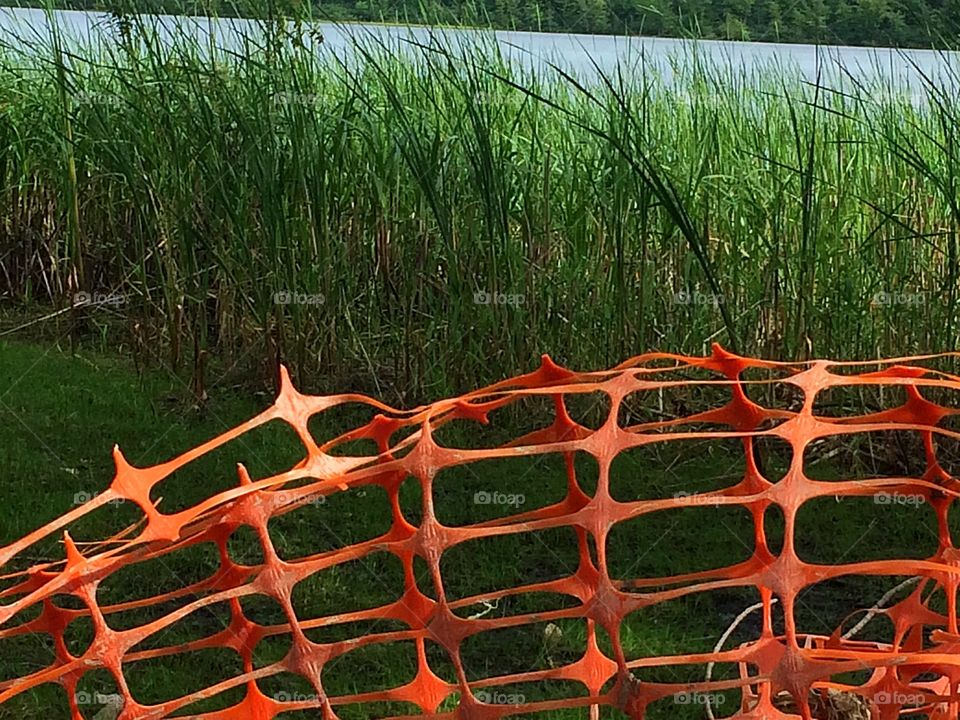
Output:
[[871, 613], [723, 638]]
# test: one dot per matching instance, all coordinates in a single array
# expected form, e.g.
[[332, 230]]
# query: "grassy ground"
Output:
[[60, 413]]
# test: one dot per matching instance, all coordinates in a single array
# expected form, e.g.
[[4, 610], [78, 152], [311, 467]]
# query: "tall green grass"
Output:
[[627, 212]]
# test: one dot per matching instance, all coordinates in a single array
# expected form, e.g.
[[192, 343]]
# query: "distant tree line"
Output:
[[898, 23]]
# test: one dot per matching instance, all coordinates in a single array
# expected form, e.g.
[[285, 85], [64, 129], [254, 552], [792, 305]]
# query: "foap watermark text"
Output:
[[293, 98], [290, 297], [896, 498], [493, 697], [484, 497], [286, 696], [695, 297], [83, 497], [482, 297], [889, 298], [699, 698], [87, 299]]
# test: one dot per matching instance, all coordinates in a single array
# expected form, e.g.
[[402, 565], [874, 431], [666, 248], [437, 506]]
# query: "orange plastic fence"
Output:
[[917, 674]]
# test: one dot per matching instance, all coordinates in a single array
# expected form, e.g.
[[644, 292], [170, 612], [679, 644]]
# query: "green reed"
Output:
[[616, 214]]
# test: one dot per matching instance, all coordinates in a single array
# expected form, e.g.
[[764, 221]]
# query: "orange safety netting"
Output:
[[917, 673]]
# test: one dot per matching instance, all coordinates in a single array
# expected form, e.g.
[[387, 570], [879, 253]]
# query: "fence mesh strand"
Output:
[[781, 672]]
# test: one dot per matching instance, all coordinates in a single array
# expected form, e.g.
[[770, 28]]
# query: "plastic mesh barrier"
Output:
[[783, 673]]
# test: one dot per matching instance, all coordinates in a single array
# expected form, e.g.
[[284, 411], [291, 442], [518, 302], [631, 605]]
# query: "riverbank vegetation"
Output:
[[423, 220]]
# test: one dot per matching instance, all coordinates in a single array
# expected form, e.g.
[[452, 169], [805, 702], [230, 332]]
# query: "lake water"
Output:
[[581, 55]]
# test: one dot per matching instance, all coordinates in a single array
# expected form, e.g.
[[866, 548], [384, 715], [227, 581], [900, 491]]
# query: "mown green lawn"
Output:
[[60, 414]]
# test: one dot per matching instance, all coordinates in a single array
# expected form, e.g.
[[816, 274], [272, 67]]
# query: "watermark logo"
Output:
[[96, 98], [482, 497], [695, 99], [288, 297], [695, 297], [687, 498], [483, 297], [492, 697], [292, 98], [486, 97], [899, 698], [889, 299], [699, 698], [85, 299], [295, 697], [280, 498], [95, 698], [84, 497], [885, 498]]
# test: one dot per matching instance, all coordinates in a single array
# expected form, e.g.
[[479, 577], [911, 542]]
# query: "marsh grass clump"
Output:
[[447, 215]]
